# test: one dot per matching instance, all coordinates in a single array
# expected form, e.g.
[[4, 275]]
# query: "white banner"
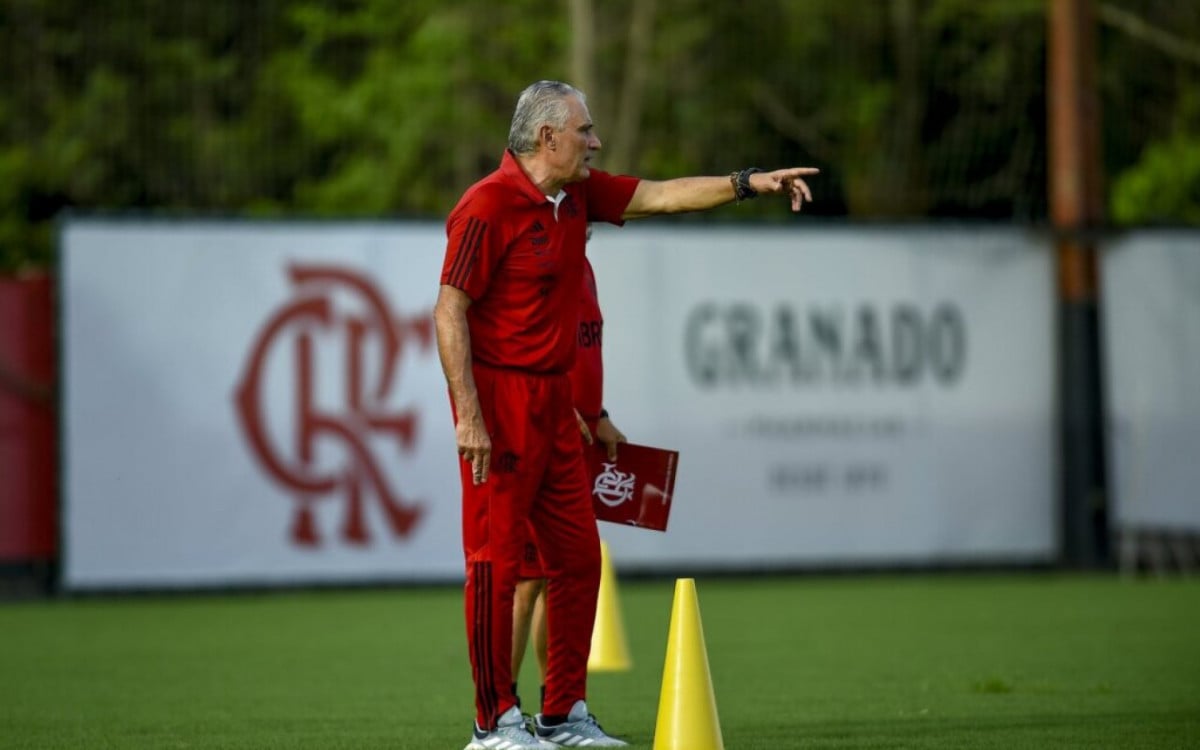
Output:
[[1151, 303], [256, 403], [852, 395]]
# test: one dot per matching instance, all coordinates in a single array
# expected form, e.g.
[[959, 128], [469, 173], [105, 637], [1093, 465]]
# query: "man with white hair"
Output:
[[506, 318]]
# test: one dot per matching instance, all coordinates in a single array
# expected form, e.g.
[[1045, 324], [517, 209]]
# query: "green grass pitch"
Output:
[[955, 662]]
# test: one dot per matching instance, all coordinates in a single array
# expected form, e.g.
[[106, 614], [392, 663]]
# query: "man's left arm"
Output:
[[684, 194]]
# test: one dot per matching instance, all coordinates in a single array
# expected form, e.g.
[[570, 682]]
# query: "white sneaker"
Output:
[[579, 730], [511, 733]]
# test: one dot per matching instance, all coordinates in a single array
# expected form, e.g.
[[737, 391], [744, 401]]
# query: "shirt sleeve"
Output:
[[608, 196], [473, 250]]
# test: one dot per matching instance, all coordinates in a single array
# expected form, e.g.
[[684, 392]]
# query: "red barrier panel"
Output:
[[28, 464]]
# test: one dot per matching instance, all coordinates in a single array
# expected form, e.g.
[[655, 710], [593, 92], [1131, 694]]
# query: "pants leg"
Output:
[[564, 524], [495, 528]]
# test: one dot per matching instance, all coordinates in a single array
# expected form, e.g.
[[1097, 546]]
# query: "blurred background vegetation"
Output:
[[914, 109]]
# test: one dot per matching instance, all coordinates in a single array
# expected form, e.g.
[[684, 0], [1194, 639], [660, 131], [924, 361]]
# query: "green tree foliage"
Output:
[[1163, 187], [1150, 86], [913, 108], [403, 102], [132, 105]]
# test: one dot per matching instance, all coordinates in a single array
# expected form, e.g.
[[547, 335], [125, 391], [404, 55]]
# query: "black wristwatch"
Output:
[[741, 184]]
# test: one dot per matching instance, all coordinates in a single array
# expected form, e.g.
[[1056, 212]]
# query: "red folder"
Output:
[[637, 488]]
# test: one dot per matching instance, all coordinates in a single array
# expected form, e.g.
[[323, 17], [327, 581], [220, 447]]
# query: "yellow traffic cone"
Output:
[[609, 652], [687, 709]]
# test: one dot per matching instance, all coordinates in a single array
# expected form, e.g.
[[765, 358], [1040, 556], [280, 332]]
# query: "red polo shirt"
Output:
[[519, 257]]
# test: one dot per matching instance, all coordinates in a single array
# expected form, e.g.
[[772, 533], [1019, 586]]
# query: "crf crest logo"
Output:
[[613, 487], [507, 463], [338, 402]]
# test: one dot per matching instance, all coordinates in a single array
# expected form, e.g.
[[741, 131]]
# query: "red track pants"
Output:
[[537, 482]]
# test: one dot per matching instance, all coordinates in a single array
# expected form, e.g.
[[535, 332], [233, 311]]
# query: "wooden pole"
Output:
[[1077, 211]]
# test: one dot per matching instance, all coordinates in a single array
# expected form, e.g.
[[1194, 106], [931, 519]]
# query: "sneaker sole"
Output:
[[499, 743]]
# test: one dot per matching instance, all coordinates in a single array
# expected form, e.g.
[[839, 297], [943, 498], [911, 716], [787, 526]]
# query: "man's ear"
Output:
[[546, 135]]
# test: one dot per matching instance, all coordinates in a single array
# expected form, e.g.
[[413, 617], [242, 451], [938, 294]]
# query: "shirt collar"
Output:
[[556, 201], [511, 169]]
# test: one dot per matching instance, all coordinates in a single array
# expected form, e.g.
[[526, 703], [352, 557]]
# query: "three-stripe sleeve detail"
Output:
[[467, 253]]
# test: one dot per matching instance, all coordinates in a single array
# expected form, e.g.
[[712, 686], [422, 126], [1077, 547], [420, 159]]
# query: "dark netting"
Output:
[[914, 109]]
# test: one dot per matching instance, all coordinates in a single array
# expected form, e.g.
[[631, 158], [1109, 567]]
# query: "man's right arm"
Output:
[[685, 194], [454, 350]]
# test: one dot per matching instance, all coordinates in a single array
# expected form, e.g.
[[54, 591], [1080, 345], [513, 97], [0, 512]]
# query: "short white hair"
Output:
[[541, 103]]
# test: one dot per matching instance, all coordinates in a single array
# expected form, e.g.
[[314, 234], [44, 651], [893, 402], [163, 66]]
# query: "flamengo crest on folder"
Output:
[[635, 490]]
